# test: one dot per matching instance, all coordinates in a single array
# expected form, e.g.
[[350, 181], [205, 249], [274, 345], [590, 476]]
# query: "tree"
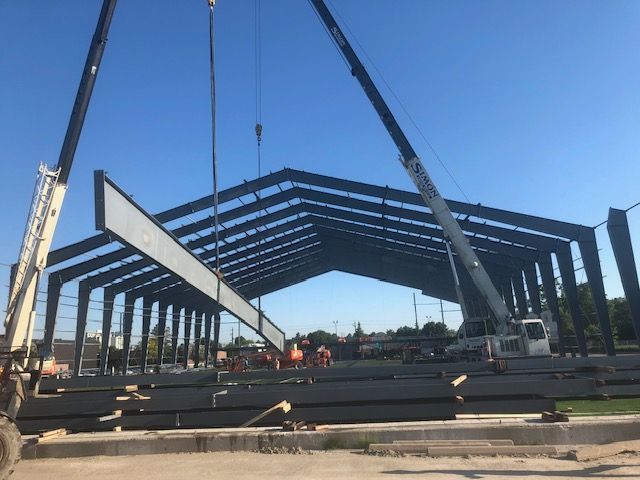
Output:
[[152, 350], [619, 313], [407, 331], [585, 303], [434, 329], [320, 337], [240, 342], [358, 332], [115, 359], [621, 321]]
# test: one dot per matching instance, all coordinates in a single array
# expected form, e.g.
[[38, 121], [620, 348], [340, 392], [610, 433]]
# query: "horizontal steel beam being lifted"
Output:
[[118, 215]]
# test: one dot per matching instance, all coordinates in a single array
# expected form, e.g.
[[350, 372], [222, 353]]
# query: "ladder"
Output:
[[42, 193]]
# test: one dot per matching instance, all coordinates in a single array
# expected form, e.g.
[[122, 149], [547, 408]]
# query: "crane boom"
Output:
[[51, 187], [419, 175]]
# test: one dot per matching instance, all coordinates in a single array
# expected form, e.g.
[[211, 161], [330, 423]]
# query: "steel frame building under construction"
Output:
[[289, 226]]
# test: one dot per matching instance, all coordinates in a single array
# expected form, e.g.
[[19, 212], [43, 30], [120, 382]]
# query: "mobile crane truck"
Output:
[[527, 337]]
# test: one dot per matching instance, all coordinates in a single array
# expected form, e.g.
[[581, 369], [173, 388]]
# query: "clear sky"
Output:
[[534, 106]]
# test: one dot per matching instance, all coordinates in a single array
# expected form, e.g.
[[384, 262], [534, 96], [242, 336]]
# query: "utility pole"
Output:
[[415, 309], [335, 324], [442, 311]]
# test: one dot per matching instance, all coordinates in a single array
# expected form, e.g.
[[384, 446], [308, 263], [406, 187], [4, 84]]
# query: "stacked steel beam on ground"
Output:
[[331, 395]]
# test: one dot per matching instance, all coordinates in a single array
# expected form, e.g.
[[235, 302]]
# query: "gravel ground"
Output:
[[324, 465]]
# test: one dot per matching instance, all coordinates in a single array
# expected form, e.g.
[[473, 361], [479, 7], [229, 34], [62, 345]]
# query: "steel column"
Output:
[[188, 313], [591, 261], [197, 336], [175, 329], [207, 338], [107, 313], [84, 292], [53, 298], [147, 305], [531, 277], [216, 335], [521, 298], [568, 274], [129, 304], [162, 325], [551, 295], [618, 228]]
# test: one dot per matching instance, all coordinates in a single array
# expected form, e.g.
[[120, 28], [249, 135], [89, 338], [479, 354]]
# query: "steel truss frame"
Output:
[[310, 224]]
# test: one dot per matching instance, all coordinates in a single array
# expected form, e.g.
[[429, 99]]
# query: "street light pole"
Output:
[[338, 345]]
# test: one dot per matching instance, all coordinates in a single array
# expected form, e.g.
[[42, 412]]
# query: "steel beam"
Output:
[[216, 335], [162, 326], [207, 338], [102, 239], [168, 288], [188, 314], [175, 329], [127, 327], [533, 289], [107, 313], [84, 293], [147, 306], [197, 337], [530, 222], [305, 194], [228, 253], [551, 296], [83, 268], [53, 298], [591, 261], [521, 299], [618, 228], [427, 234], [118, 214], [568, 275]]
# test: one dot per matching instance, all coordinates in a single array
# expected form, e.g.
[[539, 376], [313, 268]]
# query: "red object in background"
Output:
[[294, 355], [49, 367]]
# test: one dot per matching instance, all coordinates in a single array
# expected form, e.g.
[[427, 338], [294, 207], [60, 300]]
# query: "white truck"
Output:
[[477, 339]]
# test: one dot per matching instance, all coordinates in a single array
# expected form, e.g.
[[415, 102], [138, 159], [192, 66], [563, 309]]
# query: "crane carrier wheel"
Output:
[[10, 446]]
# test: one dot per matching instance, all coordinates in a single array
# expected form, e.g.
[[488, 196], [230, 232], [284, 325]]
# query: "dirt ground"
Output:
[[324, 465]]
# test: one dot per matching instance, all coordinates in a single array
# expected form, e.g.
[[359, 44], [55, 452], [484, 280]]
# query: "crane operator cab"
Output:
[[477, 337]]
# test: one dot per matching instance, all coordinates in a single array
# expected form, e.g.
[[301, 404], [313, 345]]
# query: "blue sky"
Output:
[[533, 106]]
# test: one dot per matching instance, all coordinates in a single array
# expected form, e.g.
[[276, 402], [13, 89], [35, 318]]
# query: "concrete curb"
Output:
[[591, 430]]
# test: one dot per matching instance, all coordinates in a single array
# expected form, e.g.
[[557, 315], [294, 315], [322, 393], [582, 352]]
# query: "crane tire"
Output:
[[10, 447]]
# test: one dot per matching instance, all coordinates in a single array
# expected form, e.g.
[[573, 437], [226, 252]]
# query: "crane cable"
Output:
[[258, 130], [212, 78]]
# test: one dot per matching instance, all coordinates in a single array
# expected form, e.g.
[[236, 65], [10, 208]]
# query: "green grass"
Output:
[[600, 407]]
